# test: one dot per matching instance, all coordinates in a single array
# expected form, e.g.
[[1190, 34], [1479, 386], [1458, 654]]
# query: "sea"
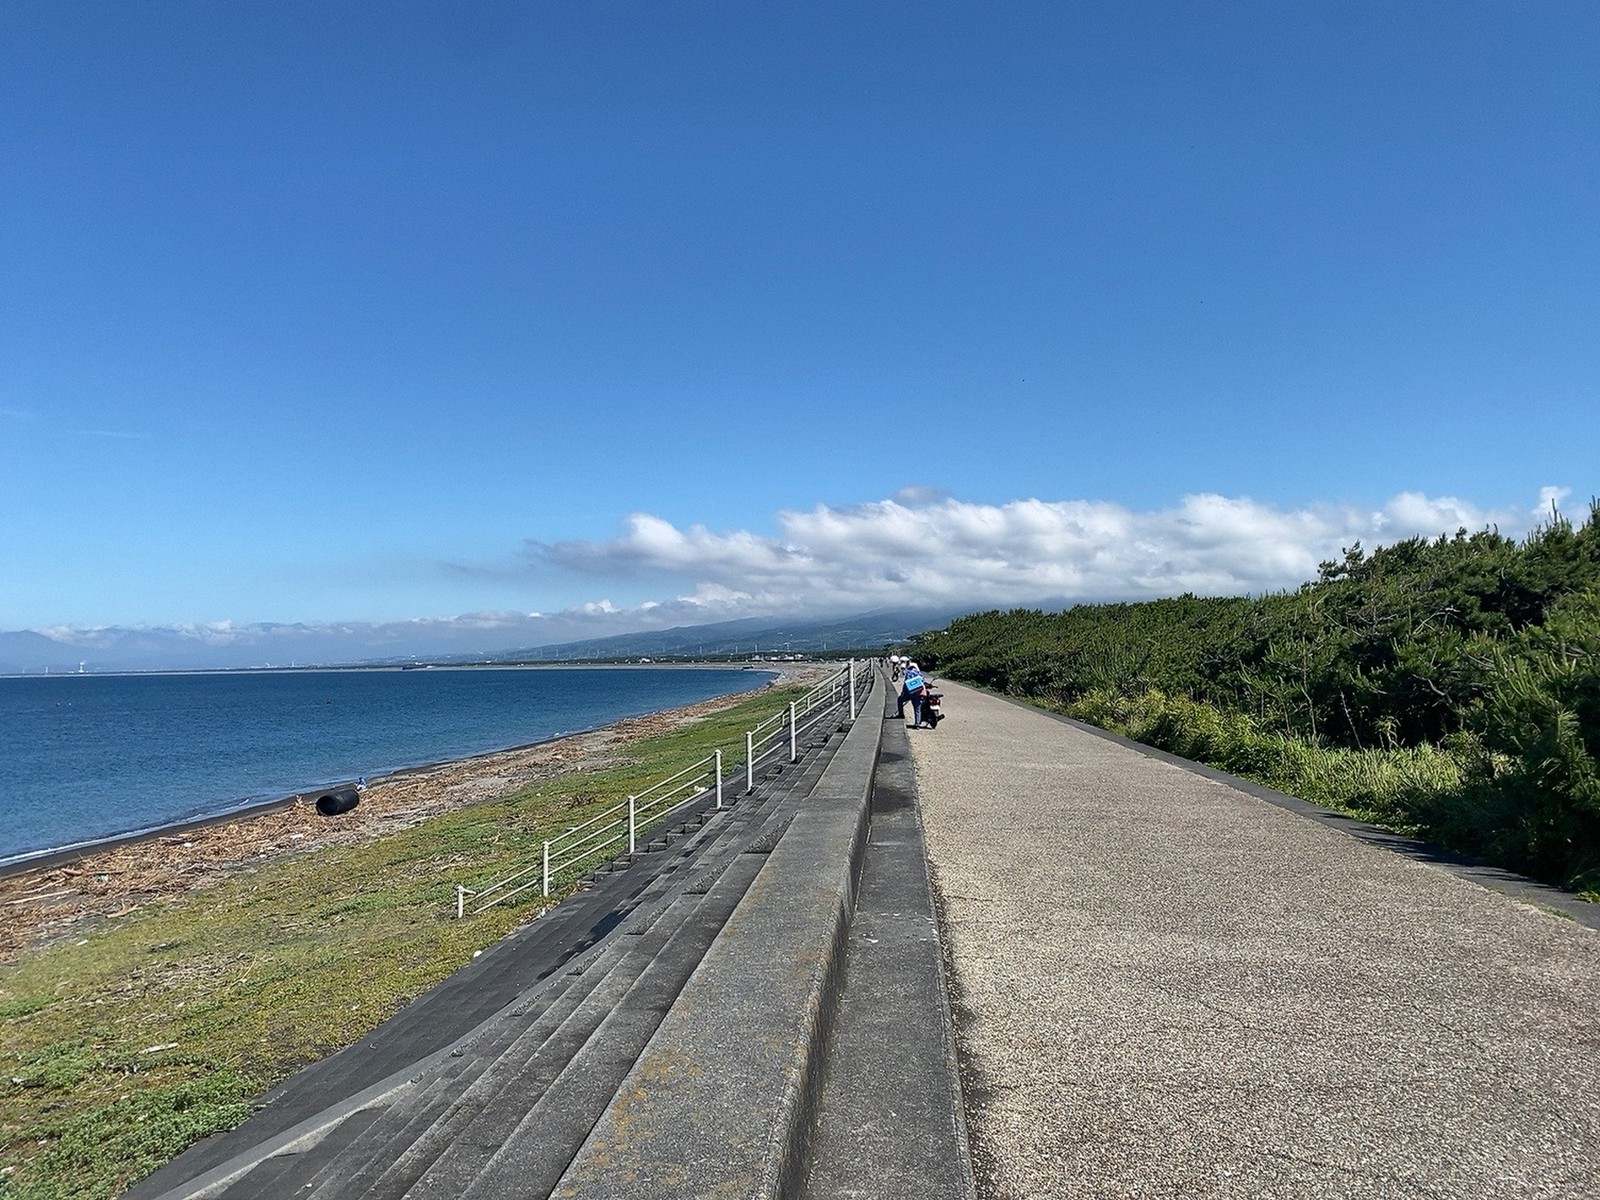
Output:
[[89, 757]]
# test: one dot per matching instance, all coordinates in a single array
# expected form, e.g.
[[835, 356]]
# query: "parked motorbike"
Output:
[[931, 713]]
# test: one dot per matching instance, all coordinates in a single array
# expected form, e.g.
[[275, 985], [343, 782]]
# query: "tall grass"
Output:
[[1398, 788], [1461, 795]]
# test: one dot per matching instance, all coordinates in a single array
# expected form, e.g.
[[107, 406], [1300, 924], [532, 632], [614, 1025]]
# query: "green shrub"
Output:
[[1448, 687]]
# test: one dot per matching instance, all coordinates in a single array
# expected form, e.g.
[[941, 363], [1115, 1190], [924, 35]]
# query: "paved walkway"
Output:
[[1168, 987]]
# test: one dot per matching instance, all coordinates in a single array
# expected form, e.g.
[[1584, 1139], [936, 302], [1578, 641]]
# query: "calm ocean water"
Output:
[[92, 756]]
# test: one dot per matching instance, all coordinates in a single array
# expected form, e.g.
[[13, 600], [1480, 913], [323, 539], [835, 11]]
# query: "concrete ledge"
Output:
[[892, 1121], [723, 1098]]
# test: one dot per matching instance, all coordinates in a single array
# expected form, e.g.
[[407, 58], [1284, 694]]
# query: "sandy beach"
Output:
[[49, 902]]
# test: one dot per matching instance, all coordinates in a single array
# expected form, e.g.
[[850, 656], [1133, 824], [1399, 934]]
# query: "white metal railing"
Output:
[[605, 836]]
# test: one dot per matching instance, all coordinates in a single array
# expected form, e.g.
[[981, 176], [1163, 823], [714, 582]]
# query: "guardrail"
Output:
[[604, 836]]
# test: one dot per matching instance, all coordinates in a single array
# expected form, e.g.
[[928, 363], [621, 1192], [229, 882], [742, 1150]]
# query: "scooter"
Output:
[[931, 715]]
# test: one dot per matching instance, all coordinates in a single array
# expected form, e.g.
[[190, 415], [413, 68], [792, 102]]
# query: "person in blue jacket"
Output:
[[911, 692]]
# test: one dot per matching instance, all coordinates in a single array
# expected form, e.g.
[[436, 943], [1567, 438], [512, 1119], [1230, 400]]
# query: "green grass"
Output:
[[123, 1046], [1389, 787]]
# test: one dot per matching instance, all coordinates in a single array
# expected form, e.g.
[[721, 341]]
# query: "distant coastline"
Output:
[[755, 664]]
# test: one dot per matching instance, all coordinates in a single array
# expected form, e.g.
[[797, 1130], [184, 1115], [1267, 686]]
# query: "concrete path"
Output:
[[1169, 987]]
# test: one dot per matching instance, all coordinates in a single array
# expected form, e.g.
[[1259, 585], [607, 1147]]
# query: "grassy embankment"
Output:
[[146, 1033]]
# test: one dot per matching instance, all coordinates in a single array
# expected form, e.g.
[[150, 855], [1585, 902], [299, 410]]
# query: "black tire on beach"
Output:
[[339, 800]]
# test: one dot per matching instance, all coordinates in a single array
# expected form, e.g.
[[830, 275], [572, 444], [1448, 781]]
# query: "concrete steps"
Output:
[[503, 1108], [811, 1054], [889, 1122], [753, 1007], [422, 1123]]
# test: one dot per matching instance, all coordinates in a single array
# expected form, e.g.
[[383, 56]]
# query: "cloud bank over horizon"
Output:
[[936, 550], [919, 549]]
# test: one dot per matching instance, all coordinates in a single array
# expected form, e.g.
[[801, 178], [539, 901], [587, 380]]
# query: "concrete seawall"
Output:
[[670, 1037], [724, 1097]]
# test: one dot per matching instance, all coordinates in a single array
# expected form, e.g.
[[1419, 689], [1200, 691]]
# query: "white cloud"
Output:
[[1550, 500], [928, 548], [922, 549]]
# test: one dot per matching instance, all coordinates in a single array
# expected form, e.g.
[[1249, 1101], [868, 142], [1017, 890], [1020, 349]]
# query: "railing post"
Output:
[[851, 684], [632, 823], [547, 869], [749, 760], [719, 778], [793, 725]]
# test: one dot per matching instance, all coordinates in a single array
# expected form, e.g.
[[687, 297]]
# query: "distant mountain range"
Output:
[[750, 636], [479, 639]]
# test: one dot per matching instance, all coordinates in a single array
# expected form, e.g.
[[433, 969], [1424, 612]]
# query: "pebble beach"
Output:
[[60, 898]]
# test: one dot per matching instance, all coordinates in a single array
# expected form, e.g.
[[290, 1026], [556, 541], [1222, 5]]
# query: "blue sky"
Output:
[[371, 313]]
